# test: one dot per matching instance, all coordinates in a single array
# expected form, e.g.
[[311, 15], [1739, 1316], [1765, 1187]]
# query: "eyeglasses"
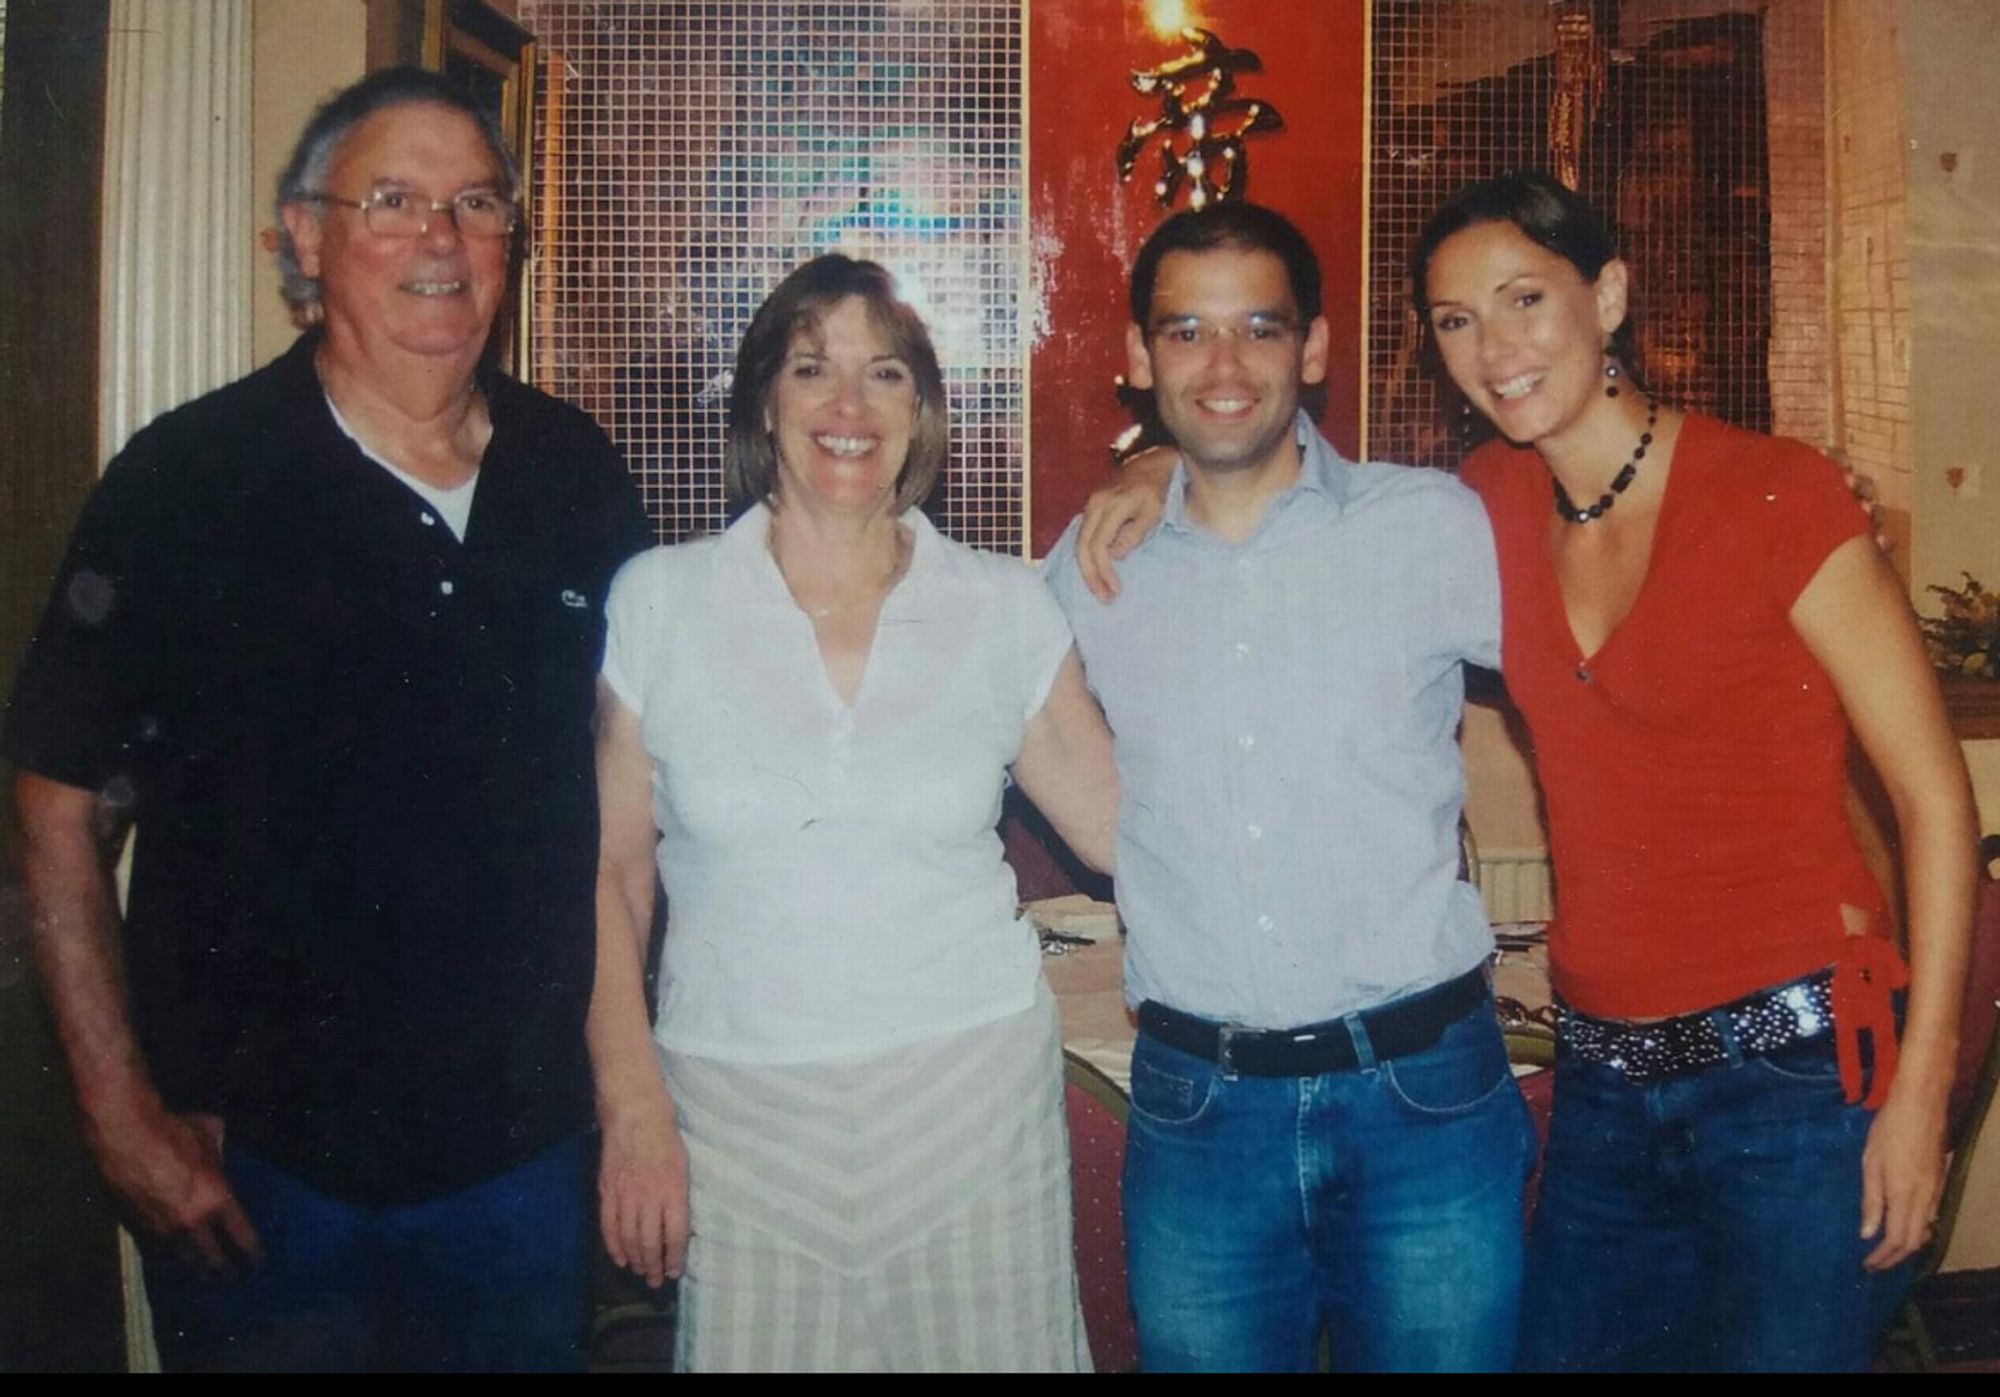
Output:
[[1252, 332], [397, 213]]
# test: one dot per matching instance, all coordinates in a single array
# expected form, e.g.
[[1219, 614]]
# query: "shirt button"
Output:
[[428, 518], [445, 586], [1583, 674], [1254, 831], [1242, 649], [1247, 741], [1243, 565], [1265, 923]]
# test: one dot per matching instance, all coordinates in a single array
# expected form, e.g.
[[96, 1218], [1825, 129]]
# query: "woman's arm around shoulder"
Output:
[[1120, 514]]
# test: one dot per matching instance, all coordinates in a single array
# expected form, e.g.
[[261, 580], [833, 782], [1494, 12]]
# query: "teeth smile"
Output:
[[845, 446], [1225, 405], [1516, 387], [434, 288]]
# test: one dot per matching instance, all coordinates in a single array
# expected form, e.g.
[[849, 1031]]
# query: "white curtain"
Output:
[[177, 265], [178, 216]]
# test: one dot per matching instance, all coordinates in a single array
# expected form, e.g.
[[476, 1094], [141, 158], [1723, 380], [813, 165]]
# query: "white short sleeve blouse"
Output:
[[834, 878]]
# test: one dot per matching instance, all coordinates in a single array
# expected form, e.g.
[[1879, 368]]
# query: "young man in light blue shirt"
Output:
[[1325, 1134]]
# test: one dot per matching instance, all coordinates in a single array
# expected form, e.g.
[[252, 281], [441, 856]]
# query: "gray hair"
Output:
[[312, 158]]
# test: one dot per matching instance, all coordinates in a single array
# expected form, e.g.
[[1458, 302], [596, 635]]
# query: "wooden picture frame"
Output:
[[493, 58]]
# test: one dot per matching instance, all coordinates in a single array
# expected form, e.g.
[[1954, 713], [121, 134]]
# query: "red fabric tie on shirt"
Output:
[[1868, 971]]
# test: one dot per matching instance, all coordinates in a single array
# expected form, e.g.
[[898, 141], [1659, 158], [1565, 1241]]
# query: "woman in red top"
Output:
[[1693, 615]]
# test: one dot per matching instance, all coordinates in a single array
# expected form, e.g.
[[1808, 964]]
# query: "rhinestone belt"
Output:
[[1760, 1023]]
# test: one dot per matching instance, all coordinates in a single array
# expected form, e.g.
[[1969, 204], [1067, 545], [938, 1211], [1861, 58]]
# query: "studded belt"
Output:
[[1758, 1023]]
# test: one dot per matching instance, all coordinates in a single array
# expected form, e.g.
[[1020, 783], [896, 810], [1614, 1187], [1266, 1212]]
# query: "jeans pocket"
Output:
[[1169, 1088], [1809, 1060], [1456, 1075]]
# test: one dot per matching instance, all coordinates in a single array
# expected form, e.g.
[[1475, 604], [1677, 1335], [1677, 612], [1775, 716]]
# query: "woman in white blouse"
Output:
[[846, 1135]]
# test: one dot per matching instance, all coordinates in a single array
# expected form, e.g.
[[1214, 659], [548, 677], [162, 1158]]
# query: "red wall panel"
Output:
[[1086, 226]]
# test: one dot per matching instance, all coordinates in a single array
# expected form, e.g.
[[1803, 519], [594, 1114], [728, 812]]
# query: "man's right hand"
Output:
[[166, 1170], [1117, 518]]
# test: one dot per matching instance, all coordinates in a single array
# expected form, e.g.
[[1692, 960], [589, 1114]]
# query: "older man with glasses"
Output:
[[327, 639]]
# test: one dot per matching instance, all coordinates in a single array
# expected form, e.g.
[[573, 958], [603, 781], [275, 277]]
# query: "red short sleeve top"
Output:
[[1694, 768]]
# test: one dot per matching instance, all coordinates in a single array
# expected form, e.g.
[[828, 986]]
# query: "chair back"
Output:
[[1982, 999], [1910, 1344], [1977, 1071], [1534, 1047], [1097, 1109]]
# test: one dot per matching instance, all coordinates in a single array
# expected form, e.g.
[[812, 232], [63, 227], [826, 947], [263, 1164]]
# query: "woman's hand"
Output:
[[642, 1191], [1902, 1176], [1869, 497], [1117, 518], [642, 1196]]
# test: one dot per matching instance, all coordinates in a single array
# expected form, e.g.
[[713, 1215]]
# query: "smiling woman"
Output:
[[1520, 330], [805, 724], [789, 339], [841, 414], [1690, 650]]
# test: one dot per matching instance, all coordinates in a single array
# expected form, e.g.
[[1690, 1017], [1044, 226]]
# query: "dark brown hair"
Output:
[[1240, 227], [1539, 206], [798, 306]]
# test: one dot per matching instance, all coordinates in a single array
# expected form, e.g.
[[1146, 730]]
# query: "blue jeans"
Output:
[[1706, 1222], [1381, 1205], [489, 1279]]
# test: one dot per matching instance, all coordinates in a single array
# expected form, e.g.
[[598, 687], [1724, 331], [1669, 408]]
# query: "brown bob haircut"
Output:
[[798, 305]]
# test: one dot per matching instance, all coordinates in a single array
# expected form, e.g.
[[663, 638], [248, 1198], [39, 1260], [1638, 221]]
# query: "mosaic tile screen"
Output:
[[1656, 107], [694, 151]]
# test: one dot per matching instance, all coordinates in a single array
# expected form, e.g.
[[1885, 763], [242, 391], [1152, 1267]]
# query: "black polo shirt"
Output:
[[358, 752]]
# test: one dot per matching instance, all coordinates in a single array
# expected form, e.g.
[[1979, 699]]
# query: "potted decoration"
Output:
[[1966, 639]]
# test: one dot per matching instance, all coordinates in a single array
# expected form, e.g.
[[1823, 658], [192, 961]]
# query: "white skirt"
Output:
[[908, 1212]]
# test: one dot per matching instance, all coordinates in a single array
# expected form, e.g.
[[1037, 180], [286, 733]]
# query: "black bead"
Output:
[[1566, 508]]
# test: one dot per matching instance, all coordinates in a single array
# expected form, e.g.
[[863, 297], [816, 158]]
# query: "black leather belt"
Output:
[[1408, 1025]]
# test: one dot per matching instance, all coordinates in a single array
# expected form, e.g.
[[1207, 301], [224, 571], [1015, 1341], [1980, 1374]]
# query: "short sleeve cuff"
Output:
[[1046, 644], [631, 618], [615, 679], [1815, 513]]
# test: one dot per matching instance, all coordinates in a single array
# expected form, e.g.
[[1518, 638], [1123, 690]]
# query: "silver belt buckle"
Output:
[[1225, 1042]]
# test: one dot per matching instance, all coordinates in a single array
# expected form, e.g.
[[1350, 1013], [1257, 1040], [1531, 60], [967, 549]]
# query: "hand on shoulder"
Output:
[[1120, 515]]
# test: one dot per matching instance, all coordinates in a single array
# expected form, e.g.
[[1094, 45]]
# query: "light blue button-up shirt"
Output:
[[1285, 713]]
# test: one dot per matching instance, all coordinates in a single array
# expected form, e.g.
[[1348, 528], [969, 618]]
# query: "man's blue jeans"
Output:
[[1706, 1222], [489, 1279], [1381, 1204]]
